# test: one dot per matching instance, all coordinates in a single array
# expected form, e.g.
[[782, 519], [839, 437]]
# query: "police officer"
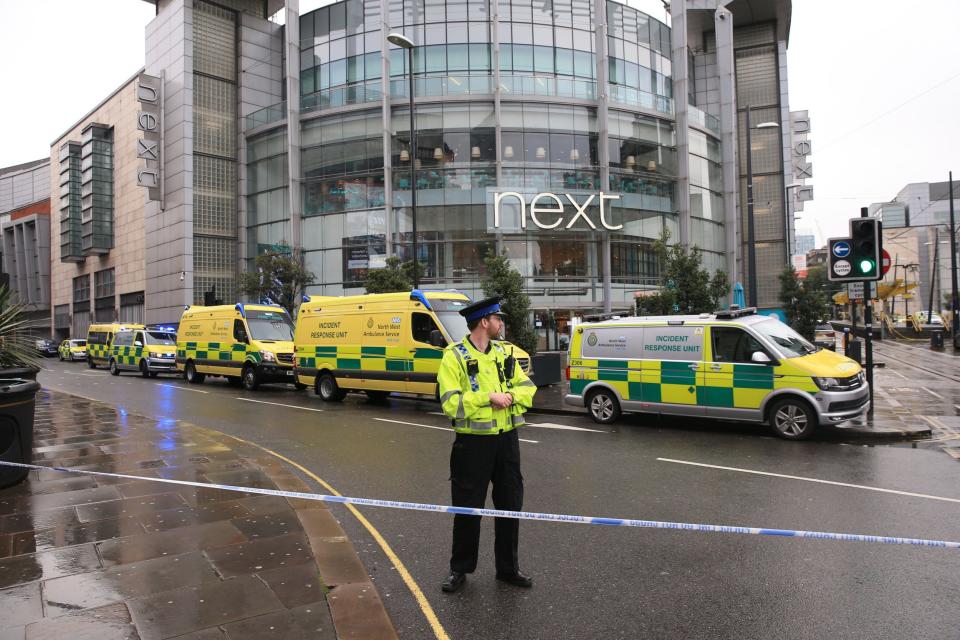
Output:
[[485, 393]]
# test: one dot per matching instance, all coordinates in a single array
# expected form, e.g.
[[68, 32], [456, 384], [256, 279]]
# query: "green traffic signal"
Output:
[[866, 266]]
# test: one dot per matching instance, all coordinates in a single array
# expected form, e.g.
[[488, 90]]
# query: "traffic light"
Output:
[[857, 258], [865, 248]]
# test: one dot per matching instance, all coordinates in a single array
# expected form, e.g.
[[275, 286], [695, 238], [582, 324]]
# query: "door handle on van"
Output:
[[694, 366]]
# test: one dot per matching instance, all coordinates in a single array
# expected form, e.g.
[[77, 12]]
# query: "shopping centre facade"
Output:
[[568, 136]]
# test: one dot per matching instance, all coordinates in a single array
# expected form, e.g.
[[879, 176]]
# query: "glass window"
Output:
[[582, 40], [543, 59], [479, 57], [562, 149], [479, 32], [436, 58], [536, 147], [562, 12], [457, 10], [355, 69], [422, 325], [338, 72], [522, 11], [269, 325], [306, 31], [354, 11], [338, 20], [479, 9], [506, 57], [543, 35], [321, 23], [564, 62], [435, 12], [522, 57], [435, 34], [372, 41], [458, 57], [457, 32], [564, 37], [522, 33], [582, 64], [733, 345]]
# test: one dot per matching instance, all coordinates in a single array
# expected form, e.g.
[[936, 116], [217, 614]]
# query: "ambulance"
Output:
[[100, 339], [731, 365], [147, 351], [250, 344], [380, 343]]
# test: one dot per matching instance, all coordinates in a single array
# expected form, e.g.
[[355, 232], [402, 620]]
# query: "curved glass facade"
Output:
[[507, 101]]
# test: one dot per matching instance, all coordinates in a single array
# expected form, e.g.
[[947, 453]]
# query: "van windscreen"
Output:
[[269, 325], [788, 342]]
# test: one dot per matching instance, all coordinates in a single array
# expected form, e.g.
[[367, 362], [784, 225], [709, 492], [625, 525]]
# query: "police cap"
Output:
[[482, 309]]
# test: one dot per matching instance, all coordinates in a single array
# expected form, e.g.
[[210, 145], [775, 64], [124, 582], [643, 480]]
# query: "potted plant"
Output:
[[19, 364]]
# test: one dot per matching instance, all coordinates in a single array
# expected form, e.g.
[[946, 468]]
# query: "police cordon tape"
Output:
[[520, 515]]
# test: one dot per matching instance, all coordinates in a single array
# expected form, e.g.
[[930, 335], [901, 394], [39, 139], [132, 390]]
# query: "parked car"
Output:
[[46, 347], [825, 337], [920, 318], [75, 349]]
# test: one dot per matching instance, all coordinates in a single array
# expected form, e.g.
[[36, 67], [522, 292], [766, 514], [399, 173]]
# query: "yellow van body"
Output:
[[100, 340], [379, 343], [147, 351], [252, 343], [733, 365]]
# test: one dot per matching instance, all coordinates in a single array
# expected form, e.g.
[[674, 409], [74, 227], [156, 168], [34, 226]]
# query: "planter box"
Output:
[[547, 368]]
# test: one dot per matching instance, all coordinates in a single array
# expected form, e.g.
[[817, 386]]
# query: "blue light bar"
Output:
[[417, 295], [239, 308], [306, 298]]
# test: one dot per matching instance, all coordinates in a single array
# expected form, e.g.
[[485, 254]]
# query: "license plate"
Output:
[[289, 373]]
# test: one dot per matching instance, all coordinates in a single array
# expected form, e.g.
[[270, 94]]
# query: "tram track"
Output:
[[895, 350]]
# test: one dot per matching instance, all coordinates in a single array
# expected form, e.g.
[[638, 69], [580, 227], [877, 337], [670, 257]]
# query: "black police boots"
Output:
[[517, 579], [454, 582]]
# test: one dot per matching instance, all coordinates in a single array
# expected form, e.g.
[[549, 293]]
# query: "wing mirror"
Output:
[[138, 344], [760, 357], [437, 339]]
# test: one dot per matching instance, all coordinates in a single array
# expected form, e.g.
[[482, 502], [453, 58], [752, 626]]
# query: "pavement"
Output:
[[97, 557]]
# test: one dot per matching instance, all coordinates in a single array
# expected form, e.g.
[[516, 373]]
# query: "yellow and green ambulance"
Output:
[[73, 349], [731, 365], [248, 343], [100, 339], [148, 351], [379, 343]]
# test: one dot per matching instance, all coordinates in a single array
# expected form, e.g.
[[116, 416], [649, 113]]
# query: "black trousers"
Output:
[[475, 462]]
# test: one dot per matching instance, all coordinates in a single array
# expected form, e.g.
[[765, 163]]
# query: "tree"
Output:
[[278, 276], [506, 282], [805, 302], [685, 287], [396, 276]]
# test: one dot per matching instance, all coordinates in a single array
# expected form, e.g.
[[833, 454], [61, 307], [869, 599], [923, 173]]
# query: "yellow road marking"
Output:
[[418, 594]]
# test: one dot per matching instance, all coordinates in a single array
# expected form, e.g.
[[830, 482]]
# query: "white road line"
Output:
[[890, 399], [933, 393], [897, 373], [817, 480], [561, 427], [176, 386], [280, 404], [428, 426]]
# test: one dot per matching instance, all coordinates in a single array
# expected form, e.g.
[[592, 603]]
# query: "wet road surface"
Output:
[[593, 582]]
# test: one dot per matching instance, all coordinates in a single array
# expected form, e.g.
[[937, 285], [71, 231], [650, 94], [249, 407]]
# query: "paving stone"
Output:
[[303, 623], [169, 543], [357, 612], [105, 623], [188, 515], [268, 525], [66, 536], [296, 585], [260, 555], [21, 605], [128, 507], [124, 582], [180, 611], [338, 562], [320, 523], [48, 564]]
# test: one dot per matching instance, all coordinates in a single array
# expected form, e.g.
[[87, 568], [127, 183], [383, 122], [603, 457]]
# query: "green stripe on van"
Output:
[[373, 351]]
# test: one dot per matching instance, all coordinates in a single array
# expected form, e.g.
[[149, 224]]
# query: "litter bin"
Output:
[[936, 340], [16, 427], [853, 350]]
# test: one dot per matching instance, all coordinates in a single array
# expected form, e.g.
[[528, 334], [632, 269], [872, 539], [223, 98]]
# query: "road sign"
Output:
[[855, 290], [841, 268], [884, 262], [841, 249]]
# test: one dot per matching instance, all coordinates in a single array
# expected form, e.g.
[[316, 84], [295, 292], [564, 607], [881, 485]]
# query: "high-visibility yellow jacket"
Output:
[[465, 399]]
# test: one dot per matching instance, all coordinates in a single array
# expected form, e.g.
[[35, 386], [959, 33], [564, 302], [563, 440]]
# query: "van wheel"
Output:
[[377, 396], [250, 379], [792, 419], [144, 369], [328, 389], [114, 369], [91, 363], [604, 406], [191, 374]]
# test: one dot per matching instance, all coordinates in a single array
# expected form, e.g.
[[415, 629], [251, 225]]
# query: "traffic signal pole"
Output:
[[868, 325], [954, 302]]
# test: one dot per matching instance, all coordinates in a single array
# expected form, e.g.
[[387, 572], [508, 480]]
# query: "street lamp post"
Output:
[[406, 43], [954, 302], [751, 230]]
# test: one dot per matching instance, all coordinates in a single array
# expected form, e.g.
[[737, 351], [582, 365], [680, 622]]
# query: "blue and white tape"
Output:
[[523, 515]]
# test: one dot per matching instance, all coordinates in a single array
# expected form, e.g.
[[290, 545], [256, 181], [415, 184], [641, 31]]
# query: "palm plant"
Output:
[[17, 347]]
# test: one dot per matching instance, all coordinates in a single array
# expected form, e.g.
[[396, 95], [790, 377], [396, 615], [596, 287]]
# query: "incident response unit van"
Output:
[[252, 343], [100, 339], [148, 351], [732, 365], [380, 343]]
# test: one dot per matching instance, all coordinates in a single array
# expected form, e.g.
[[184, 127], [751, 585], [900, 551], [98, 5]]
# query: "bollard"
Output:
[[936, 340]]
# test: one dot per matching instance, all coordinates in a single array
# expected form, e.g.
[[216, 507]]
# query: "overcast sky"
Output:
[[881, 82]]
